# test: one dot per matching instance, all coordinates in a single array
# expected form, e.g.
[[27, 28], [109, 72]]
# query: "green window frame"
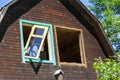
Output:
[[45, 31]]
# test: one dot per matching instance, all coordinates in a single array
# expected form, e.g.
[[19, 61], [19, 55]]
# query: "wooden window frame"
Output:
[[81, 44], [50, 40], [36, 36]]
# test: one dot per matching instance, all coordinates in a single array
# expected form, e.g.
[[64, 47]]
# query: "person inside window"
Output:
[[34, 45]]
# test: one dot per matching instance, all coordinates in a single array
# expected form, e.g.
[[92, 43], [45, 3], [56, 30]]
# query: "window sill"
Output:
[[38, 61], [73, 64]]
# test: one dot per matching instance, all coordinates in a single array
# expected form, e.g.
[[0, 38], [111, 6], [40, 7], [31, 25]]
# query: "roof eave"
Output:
[[5, 8]]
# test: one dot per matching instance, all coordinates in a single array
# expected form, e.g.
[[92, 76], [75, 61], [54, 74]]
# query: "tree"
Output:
[[108, 12], [108, 69]]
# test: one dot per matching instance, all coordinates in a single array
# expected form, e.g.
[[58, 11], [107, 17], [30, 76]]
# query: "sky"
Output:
[[4, 2], [85, 2]]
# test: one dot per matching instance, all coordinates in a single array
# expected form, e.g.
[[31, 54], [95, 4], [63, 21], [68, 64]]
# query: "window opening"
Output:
[[42, 35], [69, 42]]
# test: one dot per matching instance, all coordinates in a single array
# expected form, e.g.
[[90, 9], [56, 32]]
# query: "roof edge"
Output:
[[5, 8], [99, 24]]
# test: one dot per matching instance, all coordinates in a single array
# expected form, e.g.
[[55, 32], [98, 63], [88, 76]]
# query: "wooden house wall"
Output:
[[52, 12]]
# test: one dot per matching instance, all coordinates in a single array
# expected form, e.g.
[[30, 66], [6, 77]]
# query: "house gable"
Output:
[[74, 6], [53, 12]]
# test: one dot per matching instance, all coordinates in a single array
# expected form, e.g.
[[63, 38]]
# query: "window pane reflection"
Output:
[[39, 31]]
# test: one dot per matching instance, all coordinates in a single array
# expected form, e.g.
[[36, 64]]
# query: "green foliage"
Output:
[[118, 56], [108, 12], [108, 69]]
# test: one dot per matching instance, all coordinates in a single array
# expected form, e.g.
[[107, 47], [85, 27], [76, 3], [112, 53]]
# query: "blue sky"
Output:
[[85, 2], [4, 2]]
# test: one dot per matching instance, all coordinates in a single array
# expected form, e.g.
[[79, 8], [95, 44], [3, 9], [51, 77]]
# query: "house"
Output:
[[42, 38]]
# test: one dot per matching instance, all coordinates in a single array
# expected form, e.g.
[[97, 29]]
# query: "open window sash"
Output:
[[35, 42]]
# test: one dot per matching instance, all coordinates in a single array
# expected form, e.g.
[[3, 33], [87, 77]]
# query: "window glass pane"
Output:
[[33, 47], [39, 31]]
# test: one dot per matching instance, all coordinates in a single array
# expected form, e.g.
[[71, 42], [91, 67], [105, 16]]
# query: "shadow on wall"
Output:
[[36, 66], [58, 74]]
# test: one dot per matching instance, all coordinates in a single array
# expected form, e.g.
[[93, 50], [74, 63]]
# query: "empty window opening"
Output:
[[35, 37], [69, 45]]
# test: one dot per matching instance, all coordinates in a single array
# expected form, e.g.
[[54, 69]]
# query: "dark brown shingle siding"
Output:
[[53, 12]]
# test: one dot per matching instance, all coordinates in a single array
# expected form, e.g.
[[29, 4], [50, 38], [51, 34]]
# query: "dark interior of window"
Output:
[[44, 53], [68, 45], [26, 33]]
